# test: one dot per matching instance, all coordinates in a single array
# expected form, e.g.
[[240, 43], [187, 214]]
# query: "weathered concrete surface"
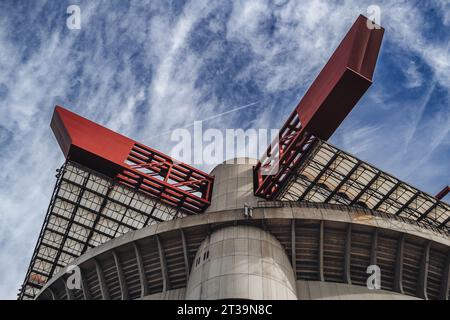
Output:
[[241, 262], [318, 290], [233, 185]]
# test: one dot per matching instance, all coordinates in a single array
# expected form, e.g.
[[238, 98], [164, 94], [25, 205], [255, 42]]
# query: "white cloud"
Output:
[[415, 78]]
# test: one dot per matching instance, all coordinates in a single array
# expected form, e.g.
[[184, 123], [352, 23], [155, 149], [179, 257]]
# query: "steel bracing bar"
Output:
[[72, 217], [269, 186], [321, 173], [108, 198], [97, 217], [425, 214], [444, 223], [121, 223], [35, 285], [343, 181], [387, 195], [371, 182], [406, 205], [38, 257], [151, 215], [79, 224]]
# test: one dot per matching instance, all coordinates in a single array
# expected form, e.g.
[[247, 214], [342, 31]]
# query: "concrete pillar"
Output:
[[233, 185], [241, 262]]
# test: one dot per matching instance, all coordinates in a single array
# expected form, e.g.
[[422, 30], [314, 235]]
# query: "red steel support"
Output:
[[443, 193], [332, 95], [131, 163]]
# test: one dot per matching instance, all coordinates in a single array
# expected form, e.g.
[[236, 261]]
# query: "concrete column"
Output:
[[101, 281], [120, 275], [140, 265], [233, 185], [241, 262], [348, 255], [84, 286]]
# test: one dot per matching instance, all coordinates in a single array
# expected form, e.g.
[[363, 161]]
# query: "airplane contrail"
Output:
[[210, 118]]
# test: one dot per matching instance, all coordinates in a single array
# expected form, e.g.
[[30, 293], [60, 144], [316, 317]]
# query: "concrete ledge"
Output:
[[318, 290], [261, 214]]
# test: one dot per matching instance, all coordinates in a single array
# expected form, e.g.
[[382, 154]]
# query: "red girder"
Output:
[[332, 95], [119, 157], [443, 193]]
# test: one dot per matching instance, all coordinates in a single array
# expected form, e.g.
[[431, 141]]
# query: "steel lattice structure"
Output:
[[329, 175], [86, 210]]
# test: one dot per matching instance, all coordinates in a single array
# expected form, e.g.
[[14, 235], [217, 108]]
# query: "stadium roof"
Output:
[[327, 174], [86, 210]]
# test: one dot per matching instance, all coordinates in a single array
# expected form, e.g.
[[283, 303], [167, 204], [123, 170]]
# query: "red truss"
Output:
[[131, 163], [332, 95]]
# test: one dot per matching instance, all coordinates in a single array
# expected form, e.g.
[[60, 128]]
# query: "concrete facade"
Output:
[[233, 185], [284, 251], [241, 262], [320, 290]]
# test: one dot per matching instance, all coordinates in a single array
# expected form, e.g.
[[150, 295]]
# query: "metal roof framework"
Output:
[[333, 94], [139, 166], [86, 210], [327, 174]]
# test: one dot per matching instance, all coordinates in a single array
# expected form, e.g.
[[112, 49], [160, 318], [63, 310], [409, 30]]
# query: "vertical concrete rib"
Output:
[[293, 252], [347, 255], [52, 294], [398, 285], [84, 286], [122, 282], [423, 276], [321, 277], [374, 248], [69, 294], [162, 260], [101, 281], [445, 279], [185, 254], [140, 265]]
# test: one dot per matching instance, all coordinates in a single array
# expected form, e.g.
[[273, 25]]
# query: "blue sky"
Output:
[[143, 68]]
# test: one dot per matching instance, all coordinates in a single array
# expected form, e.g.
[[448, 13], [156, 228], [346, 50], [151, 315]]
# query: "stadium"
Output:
[[141, 225]]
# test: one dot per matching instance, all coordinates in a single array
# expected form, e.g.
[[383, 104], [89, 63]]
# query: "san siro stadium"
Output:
[[141, 225]]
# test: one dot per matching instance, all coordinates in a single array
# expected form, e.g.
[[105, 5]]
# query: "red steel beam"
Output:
[[131, 163], [443, 193], [333, 94]]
